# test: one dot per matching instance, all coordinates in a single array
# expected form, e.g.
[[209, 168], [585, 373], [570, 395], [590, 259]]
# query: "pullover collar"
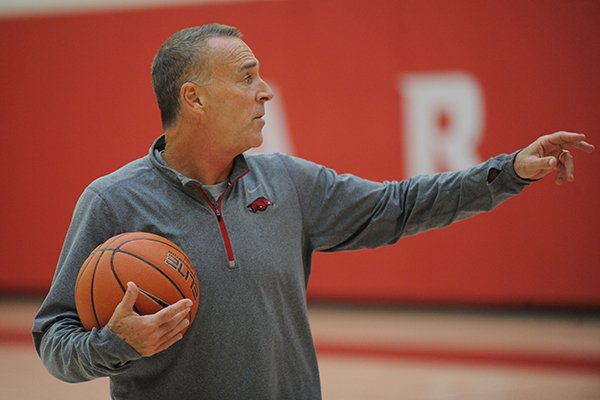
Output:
[[240, 166]]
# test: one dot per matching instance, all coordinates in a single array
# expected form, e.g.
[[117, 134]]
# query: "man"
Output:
[[249, 225]]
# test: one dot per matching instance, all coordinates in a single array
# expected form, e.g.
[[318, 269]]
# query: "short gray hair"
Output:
[[181, 58]]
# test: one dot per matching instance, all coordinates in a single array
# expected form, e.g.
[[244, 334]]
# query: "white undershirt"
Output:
[[215, 190]]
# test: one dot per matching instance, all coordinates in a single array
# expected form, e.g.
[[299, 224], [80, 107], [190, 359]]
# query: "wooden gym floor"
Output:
[[387, 353]]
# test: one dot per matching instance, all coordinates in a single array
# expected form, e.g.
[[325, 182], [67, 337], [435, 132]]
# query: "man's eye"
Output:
[[248, 79]]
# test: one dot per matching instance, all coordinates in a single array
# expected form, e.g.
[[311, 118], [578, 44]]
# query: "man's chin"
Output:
[[256, 145]]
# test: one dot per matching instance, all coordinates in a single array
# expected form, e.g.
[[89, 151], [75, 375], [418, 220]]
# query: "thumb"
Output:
[[543, 164], [124, 309], [130, 296]]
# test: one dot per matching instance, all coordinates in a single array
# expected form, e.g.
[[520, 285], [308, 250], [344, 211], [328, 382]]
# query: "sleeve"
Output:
[[344, 212], [68, 351]]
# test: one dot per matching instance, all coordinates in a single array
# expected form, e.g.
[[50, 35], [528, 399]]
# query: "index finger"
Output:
[[582, 145], [570, 140], [168, 313], [563, 137]]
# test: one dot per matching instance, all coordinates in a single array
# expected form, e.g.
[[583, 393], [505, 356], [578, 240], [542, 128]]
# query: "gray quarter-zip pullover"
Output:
[[252, 250]]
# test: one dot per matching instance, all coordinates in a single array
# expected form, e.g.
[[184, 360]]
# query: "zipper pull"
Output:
[[218, 214]]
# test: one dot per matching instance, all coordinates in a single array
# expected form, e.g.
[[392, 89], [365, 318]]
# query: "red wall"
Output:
[[77, 103]]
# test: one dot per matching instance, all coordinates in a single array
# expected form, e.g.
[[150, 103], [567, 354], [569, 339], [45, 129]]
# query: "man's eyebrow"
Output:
[[249, 65]]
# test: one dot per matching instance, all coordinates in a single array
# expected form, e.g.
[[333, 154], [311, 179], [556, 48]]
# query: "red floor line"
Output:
[[464, 356], [414, 353]]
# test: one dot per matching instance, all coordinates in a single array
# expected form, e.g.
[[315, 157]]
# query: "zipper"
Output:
[[217, 210], [223, 229]]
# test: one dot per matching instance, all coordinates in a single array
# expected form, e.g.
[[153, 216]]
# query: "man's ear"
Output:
[[190, 96]]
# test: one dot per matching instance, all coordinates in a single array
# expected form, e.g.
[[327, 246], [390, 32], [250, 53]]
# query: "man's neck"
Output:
[[188, 154]]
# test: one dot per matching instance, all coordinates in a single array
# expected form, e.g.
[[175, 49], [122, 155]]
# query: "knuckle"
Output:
[[146, 327], [155, 337]]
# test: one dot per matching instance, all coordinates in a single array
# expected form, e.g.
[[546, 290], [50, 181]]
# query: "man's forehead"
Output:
[[233, 51]]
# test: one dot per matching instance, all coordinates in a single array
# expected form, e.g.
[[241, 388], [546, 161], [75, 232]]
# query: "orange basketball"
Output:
[[161, 270]]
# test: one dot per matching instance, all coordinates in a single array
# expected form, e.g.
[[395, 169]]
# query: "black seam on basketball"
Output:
[[179, 250], [168, 243], [112, 268], [84, 267], [152, 239], [154, 298], [112, 240], [93, 304], [150, 264]]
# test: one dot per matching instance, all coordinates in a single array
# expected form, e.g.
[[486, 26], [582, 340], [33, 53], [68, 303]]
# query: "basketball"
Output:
[[161, 270]]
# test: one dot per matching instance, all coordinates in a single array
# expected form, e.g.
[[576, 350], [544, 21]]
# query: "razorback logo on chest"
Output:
[[260, 204]]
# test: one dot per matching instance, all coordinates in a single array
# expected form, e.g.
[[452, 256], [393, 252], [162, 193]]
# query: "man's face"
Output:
[[235, 96]]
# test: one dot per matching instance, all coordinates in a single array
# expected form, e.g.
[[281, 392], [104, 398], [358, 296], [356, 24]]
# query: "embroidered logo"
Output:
[[260, 204], [250, 191]]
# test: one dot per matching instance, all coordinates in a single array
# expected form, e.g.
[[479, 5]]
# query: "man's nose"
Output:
[[265, 93]]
